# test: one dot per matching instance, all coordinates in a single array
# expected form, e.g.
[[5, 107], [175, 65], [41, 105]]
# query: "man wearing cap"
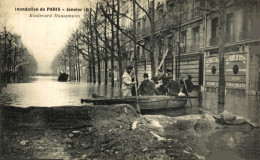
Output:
[[127, 82], [147, 87]]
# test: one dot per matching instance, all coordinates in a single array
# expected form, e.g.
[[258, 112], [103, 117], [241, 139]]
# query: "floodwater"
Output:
[[231, 143], [46, 91]]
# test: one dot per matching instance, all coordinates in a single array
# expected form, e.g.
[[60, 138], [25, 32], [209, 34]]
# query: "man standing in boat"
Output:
[[127, 82]]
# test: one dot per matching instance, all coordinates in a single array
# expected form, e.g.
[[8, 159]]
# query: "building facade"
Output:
[[186, 34]]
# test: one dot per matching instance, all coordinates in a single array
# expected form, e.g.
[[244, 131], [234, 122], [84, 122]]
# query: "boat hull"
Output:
[[145, 102]]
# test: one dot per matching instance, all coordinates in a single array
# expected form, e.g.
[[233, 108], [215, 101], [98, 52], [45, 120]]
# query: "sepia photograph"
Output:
[[130, 79]]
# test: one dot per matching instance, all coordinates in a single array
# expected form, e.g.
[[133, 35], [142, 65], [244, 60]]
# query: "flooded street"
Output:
[[46, 91], [229, 143]]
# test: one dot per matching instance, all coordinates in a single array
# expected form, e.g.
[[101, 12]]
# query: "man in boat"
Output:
[[187, 84], [161, 81], [172, 87], [127, 82], [158, 76], [147, 87]]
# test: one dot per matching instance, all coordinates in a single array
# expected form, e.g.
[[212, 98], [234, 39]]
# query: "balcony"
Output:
[[244, 35], [213, 41]]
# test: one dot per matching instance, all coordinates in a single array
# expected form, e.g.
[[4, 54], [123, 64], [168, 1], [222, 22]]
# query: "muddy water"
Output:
[[229, 143]]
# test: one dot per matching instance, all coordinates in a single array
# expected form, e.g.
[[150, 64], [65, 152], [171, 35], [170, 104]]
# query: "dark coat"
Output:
[[173, 87], [146, 88], [189, 86]]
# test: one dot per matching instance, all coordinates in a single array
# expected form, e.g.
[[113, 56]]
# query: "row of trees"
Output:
[[16, 63], [101, 38]]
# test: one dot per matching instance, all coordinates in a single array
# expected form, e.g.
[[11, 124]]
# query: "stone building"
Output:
[[186, 34]]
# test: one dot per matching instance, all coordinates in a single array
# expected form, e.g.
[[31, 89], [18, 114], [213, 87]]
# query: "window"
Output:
[[138, 26], [214, 32], [229, 28], [196, 38], [214, 27], [183, 42], [183, 39], [144, 22]]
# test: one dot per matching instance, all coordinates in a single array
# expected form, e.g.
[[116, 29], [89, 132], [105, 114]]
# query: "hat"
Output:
[[129, 67], [146, 75]]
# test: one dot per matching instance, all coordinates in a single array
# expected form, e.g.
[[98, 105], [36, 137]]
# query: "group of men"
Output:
[[160, 84]]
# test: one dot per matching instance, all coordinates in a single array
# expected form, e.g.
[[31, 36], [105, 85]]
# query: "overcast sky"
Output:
[[44, 37]]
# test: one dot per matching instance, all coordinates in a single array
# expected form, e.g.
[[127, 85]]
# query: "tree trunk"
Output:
[[70, 64], [15, 51], [134, 32], [112, 46], [118, 46], [221, 88], [92, 49], [89, 65], [78, 66], [106, 45], [97, 45], [153, 65]]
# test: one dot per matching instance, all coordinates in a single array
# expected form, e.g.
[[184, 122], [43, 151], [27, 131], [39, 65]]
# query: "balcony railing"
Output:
[[244, 36], [213, 41]]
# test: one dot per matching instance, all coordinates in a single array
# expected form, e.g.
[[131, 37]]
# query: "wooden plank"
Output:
[[230, 73], [187, 71], [211, 74], [211, 84], [212, 78], [189, 62], [190, 67]]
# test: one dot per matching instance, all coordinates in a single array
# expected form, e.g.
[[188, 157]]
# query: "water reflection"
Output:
[[241, 105], [47, 91]]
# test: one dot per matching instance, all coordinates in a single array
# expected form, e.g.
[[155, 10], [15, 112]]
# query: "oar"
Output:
[[187, 92], [136, 96]]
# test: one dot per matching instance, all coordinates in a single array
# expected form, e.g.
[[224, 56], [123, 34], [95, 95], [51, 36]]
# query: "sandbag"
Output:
[[227, 116]]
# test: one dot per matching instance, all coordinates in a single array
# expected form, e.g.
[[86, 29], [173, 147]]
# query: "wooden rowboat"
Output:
[[145, 102]]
